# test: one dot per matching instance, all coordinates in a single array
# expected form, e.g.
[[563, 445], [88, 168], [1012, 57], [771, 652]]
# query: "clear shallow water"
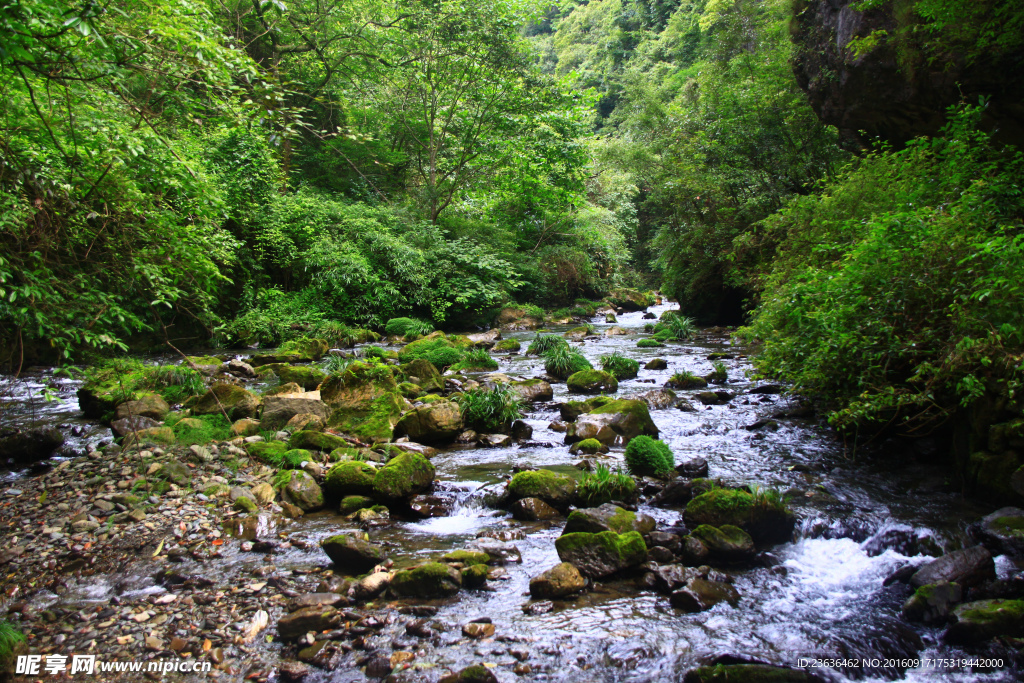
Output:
[[828, 603]]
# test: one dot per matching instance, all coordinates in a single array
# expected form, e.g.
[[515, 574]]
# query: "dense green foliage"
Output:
[[648, 457], [619, 366], [603, 486], [490, 410], [563, 361]]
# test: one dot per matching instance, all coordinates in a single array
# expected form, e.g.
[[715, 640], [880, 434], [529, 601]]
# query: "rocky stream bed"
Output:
[[204, 552]]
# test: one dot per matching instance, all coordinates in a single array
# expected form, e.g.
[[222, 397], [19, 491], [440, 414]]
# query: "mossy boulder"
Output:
[[571, 410], [555, 489], [592, 382], [351, 554], [436, 423], [349, 478], [1002, 532], [589, 446], [301, 350], [278, 454], [577, 333], [308, 377], [467, 557], [726, 543], [350, 504], [607, 517], [158, 435], [244, 504], [236, 401], [403, 476], [648, 344], [656, 364], [247, 426], [436, 347], [615, 421], [533, 390], [932, 603], [202, 361], [475, 575], [603, 554], [561, 580], [303, 491], [982, 620], [423, 373], [175, 472], [364, 401], [508, 345], [477, 673], [279, 410], [764, 520], [430, 580], [148, 405], [316, 441]]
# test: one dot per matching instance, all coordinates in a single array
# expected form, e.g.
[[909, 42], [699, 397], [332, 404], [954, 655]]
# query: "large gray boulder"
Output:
[[437, 423], [968, 567]]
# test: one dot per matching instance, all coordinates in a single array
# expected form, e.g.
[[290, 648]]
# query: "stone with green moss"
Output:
[[603, 554], [436, 347], [555, 489], [933, 602], [316, 441], [588, 446], [350, 504], [303, 492], [561, 580], [300, 350], [748, 673], [614, 421], [533, 390], [430, 580], [176, 473], [308, 377], [268, 452], [592, 382], [648, 344], [423, 373], [508, 345], [216, 490], [345, 453], [607, 517], [155, 435], [244, 504], [147, 404], [349, 478], [467, 557], [975, 622], [351, 554], [435, 423], [766, 520], [364, 401], [474, 576], [571, 410], [223, 397], [727, 543], [409, 390], [202, 361], [403, 476]]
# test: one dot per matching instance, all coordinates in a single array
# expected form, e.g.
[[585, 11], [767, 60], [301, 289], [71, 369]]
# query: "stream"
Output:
[[861, 516]]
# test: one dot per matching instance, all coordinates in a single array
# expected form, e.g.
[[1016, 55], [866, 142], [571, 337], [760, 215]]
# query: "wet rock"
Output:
[[352, 555], [974, 622], [477, 630], [234, 400], [694, 468], [607, 517], [555, 489], [539, 607], [533, 509], [152, 406], [424, 374], [300, 622], [126, 425], [430, 580], [675, 493], [621, 419], [308, 439], [430, 506], [726, 543], [278, 410], [370, 586], [495, 440], [264, 493], [245, 427], [292, 672], [499, 552], [31, 444], [175, 472], [766, 389], [291, 511], [303, 491], [237, 492], [666, 539], [521, 431], [601, 554], [700, 594], [932, 603], [1002, 532], [656, 364], [592, 382], [658, 399], [471, 674], [968, 567], [436, 423], [533, 390], [304, 422], [766, 523], [749, 673], [413, 447], [350, 504], [349, 478], [714, 398], [561, 580], [403, 476], [475, 576], [239, 368], [660, 554]]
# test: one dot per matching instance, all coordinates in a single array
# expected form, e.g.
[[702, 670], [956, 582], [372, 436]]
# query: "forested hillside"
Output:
[[243, 172]]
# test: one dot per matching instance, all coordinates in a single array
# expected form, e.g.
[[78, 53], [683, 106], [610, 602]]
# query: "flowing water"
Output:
[[863, 515]]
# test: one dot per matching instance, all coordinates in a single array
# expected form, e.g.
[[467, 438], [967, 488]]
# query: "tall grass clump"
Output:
[[490, 410], [562, 361]]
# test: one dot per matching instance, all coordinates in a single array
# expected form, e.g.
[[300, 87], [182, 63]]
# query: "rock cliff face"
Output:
[[894, 91]]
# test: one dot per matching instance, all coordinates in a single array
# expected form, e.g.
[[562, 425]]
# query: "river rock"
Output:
[[403, 476], [413, 447], [485, 339], [175, 472], [533, 390], [765, 523], [147, 405], [555, 489], [370, 586], [438, 422], [430, 580], [429, 506], [278, 410], [126, 425], [656, 364], [234, 400], [726, 543], [607, 517], [477, 673], [521, 431], [300, 622], [602, 554], [622, 420], [974, 622], [592, 382], [352, 555], [499, 552], [561, 580], [349, 478], [749, 673], [495, 440], [532, 510], [350, 504], [968, 567], [932, 603], [312, 440], [31, 444], [303, 491], [1002, 532], [701, 594], [658, 399], [365, 402], [424, 374], [694, 468]]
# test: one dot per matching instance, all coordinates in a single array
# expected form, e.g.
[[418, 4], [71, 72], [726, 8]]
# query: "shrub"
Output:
[[491, 410], [335, 333], [620, 367], [562, 361], [438, 350], [603, 486], [543, 343], [648, 344], [177, 382], [647, 456], [408, 327], [681, 327]]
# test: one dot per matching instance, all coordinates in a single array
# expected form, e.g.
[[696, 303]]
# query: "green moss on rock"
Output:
[[592, 382], [349, 478], [557, 490], [467, 557], [430, 580], [317, 441], [403, 476]]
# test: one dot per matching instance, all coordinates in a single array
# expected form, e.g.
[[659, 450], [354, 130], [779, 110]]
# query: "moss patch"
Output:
[[317, 441], [349, 478], [404, 475], [557, 490]]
